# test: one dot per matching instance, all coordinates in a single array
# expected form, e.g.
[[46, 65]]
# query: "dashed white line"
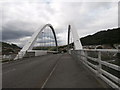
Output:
[[50, 74]]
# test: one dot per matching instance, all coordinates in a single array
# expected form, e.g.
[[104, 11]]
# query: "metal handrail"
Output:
[[101, 50], [109, 78]]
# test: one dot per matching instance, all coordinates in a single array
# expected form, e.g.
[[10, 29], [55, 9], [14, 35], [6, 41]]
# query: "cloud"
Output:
[[14, 30], [22, 19]]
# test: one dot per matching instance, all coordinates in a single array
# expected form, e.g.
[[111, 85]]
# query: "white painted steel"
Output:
[[31, 42], [94, 66], [76, 39], [101, 50], [110, 83], [93, 70], [99, 71], [99, 61], [111, 65], [114, 78], [91, 58]]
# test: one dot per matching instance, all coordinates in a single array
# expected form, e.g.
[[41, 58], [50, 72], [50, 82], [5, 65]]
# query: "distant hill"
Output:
[[110, 36], [9, 48]]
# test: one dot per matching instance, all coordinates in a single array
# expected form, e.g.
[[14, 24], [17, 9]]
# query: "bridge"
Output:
[[78, 68]]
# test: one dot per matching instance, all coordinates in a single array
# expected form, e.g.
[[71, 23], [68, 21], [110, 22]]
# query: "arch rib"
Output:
[[76, 40], [69, 27], [31, 42]]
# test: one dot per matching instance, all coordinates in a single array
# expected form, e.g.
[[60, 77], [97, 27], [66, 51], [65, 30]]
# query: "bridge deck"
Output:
[[69, 74], [51, 71]]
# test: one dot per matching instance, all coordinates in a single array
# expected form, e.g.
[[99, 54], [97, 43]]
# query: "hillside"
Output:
[[103, 37], [9, 48]]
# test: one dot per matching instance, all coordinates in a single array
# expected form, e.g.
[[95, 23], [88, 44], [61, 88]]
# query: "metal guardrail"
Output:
[[96, 64], [23, 54], [5, 58], [11, 57]]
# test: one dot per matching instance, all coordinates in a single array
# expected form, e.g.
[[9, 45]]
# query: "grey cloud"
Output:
[[9, 32], [45, 41]]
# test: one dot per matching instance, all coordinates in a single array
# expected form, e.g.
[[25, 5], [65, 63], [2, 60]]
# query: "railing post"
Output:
[[69, 51], [99, 64], [22, 55], [77, 55], [85, 57], [81, 57], [9, 58], [18, 56]]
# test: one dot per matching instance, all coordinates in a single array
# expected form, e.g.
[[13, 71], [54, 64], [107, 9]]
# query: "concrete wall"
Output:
[[38, 52]]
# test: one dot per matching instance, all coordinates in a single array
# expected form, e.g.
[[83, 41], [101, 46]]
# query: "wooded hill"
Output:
[[9, 48], [110, 36]]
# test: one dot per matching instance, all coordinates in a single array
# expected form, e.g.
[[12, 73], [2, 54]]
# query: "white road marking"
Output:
[[50, 74]]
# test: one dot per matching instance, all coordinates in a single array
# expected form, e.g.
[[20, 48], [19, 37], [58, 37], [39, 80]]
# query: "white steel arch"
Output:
[[76, 40], [31, 42]]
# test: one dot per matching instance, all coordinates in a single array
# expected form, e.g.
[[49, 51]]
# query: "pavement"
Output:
[[50, 71]]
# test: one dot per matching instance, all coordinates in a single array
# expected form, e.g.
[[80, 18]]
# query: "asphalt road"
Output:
[[28, 73], [51, 71]]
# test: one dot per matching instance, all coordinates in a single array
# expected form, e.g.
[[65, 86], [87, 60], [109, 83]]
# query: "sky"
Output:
[[20, 19]]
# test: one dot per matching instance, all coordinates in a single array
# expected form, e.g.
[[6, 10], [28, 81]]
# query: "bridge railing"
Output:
[[105, 63]]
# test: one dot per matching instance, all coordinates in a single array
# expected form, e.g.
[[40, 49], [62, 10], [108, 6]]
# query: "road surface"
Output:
[[50, 71]]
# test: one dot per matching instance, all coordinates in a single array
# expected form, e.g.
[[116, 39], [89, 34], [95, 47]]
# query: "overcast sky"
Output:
[[20, 19]]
